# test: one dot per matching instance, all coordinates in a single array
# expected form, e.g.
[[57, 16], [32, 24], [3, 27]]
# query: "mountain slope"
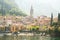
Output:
[[9, 7]]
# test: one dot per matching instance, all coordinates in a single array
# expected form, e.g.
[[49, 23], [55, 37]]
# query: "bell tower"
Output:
[[31, 11]]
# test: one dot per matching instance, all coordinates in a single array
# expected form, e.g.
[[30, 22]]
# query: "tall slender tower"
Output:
[[31, 11]]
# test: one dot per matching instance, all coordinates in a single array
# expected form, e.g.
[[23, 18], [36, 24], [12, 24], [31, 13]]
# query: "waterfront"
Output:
[[35, 23], [35, 37]]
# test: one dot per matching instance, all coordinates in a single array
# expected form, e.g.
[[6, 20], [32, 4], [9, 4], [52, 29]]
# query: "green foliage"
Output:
[[35, 28], [55, 24]]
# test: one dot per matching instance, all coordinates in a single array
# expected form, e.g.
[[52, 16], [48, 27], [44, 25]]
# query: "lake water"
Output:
[[28, 38]]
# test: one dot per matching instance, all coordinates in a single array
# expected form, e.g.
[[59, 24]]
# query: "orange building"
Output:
[[14, 28]]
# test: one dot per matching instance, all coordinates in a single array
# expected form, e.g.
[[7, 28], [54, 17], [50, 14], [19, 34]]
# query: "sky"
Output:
[[40, 7]]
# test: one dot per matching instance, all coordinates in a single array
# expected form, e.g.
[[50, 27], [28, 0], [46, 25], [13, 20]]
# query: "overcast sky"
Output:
[[41, 7]]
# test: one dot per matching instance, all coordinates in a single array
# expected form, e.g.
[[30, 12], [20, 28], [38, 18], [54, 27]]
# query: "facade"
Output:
[[43, 20]]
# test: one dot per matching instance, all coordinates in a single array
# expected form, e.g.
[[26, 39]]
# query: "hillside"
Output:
[[9, 7]]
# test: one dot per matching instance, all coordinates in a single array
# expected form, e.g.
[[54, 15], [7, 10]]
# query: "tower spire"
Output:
[[31, 11]]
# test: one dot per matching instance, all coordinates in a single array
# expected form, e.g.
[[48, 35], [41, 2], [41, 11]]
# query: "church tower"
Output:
[[31, 11]]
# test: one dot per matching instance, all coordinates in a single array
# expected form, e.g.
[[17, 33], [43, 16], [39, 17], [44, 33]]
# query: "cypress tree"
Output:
[[51, 19], [59, 18]]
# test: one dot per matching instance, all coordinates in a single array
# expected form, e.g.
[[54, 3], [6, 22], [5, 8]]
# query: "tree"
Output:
[[59, 18], [51, 19]]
